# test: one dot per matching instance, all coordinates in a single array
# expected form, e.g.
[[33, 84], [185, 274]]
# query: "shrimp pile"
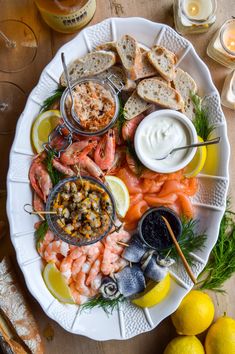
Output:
[[84, 267]]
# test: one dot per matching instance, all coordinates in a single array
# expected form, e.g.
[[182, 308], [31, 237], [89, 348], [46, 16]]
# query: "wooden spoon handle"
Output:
[[179, 251]]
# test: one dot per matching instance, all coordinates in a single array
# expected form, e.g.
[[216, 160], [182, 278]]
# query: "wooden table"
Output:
[[48, 43]]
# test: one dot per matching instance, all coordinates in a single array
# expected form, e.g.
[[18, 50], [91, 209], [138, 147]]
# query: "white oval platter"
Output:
[[128, 321]]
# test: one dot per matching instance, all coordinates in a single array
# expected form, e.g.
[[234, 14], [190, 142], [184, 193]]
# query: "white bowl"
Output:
[[161, 165]]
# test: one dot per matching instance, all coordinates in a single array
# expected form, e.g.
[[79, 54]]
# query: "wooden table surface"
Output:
[[48, 43]]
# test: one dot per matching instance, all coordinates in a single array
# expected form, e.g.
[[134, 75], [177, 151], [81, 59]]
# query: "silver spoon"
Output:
[[204, 143], [74, 114]]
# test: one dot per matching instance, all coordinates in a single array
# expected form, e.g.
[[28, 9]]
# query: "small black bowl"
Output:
[[153, 230]]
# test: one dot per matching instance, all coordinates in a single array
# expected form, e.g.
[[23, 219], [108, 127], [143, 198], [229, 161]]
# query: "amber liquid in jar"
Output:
[[66, 16]]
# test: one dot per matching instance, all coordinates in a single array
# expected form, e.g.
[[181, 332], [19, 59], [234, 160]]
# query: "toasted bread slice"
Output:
[[134, 106], [107, 46], [145, 68], [119, 76], [89, 65], [129, 53], [164, 61], [156, 91], [185, 85]]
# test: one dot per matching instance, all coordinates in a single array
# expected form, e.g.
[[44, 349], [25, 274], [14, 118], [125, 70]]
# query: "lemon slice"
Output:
[[197, 163], [154, 293], [42, 127], [120, 194], [56, 284]]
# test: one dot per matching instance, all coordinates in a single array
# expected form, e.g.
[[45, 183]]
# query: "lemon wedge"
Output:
[[43, 126], [56, 284], [154, 293], [197, 163], [120, 194]]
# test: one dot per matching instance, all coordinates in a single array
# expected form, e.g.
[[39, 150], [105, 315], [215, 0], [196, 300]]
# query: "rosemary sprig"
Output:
[[189, 241], [221, 264], [106, 304], [41, 232], [48, 102], [55, 175], [201, 121]]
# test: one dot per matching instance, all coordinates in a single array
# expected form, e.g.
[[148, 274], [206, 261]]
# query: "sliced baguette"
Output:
[[107, 46], [134, 106], [145, 68], [156, 91], [185, 85], [120, 75], [163, 60], [89, 65], [130, 55]]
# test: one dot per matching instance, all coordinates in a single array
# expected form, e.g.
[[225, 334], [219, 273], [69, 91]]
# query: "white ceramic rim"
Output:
[[49, 304], [190, 128]]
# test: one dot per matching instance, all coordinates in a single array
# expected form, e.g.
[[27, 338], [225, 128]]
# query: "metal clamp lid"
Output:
[[115, 86], [58, 141]]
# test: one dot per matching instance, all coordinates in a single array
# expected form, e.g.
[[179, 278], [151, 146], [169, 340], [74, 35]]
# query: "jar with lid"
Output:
[[194, 16], [66, 16], [222, 46]]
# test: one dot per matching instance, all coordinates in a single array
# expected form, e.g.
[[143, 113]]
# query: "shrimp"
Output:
[[78, 298], [105, 151], [54, 249], [62, 168], [71, 155], [91, 167], [130, 126], [112, 239], [94, 271], [38, 204], [66, 264], [81, 286], [96, 282], [40, 179], [77, 266]]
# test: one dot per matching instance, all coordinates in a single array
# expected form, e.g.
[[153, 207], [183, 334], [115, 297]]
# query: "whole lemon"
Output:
[[184, 345], [220, 338], [194, 315]]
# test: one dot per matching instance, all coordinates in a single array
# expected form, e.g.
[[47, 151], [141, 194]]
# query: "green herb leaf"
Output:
[[106, 304], [55, 175], [221, 264], [48, 102], [201, 121], [41, 232], [189, 241], [121, 118]]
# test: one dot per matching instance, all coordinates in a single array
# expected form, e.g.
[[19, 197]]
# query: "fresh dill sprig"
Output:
[[201, 122], [48, 102], [55, 175], [189, 241], [105, 304], [41, 231], [121, 117], [221, 264], [131, 151]]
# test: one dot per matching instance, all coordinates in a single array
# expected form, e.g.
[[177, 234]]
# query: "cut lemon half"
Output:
[[43, 126], [56, 284], [196, 165], [154, 293], [120, 194]]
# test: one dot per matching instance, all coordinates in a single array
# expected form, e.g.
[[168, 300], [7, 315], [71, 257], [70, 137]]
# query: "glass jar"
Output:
[[222, 46], [194, 16], [228, 91], [66, 16]]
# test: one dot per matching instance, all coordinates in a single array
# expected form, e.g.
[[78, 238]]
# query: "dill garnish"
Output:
[[55, 175], [201, 121], [221, 264], [41, 231], [121, 118], [106, 304], [189, 241], [48, 102]]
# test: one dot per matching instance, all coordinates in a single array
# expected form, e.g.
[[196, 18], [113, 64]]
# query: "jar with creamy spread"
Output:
[[161, 132]]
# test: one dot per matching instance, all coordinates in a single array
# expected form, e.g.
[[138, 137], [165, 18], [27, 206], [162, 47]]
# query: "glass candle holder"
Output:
[[194, 16], [222, 46], [228, 91]]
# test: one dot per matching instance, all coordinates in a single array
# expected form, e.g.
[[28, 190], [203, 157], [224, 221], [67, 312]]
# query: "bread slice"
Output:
[[156, 91], [89, 65], [134, 106], [164, 61], [107, 46], [185, 85], [130, 55], [145, 68], [120, 75]]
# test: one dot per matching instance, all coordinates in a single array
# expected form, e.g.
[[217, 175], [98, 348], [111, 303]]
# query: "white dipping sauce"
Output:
[[160, 136]]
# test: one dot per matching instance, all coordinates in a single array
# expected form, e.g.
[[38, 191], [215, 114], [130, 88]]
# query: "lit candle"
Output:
[[228, 37], [228, 91], [198, 9]]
